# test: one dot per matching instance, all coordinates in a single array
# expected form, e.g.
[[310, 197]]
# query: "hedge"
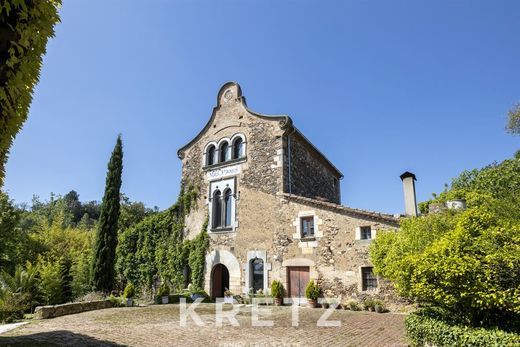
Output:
[[427, 331]]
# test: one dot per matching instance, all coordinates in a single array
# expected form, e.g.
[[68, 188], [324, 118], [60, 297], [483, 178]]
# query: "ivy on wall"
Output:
[[155, 249], [25, 27]]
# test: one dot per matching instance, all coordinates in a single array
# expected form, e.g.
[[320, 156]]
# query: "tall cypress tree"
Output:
[[103, 272]]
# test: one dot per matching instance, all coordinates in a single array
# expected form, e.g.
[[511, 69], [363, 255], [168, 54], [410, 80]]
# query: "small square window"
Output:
[[307, 226], [366, 233], [368, 278]]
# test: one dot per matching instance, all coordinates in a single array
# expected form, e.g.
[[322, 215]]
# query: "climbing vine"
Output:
[[155, 249]]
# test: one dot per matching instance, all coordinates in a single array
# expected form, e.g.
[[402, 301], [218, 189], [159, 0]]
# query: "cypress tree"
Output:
[[103, 262]]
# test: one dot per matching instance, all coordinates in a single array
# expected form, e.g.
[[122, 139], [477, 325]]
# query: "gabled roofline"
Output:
[[332, 166], [284, 121]]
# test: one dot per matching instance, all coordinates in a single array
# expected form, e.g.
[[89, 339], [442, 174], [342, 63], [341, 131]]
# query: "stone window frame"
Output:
[[244, 145], [230, 142], [223, 185], [358, 233], [251, 255], [307, 243], [227, 155], [205, 154], [361, 284], [302, 227]]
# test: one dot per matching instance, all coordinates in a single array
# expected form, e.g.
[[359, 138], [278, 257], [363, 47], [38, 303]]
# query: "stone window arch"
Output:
[[222, 205], [239, 146], [217, 209], [228, 204], [224, 152], [210, 155]]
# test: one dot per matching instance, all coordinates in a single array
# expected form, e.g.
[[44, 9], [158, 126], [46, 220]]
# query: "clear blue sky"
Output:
[[379, 86]]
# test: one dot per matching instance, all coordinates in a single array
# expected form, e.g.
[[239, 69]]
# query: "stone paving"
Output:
[[160, 325]]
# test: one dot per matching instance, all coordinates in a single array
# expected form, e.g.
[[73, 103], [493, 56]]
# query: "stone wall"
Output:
[[310, 176], [267, 224], [45, 312]]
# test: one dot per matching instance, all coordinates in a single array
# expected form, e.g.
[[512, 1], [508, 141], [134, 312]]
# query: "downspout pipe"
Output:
[[289, 158]]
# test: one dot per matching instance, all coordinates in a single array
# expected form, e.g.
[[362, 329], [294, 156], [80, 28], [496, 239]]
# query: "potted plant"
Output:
[[312, 292], [198, 293], [379, 306], [277, 291], [163, 293], [228, 297], [353, 306], [368, 305], [129, 294]]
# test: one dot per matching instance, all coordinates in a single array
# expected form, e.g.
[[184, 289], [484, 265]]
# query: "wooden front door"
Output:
[[219, 281], [298, 278]]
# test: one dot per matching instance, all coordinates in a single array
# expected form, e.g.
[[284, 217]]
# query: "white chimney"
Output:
[[410, 202]]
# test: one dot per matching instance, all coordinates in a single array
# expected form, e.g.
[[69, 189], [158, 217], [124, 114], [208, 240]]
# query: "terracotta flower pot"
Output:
[[312, 303], [278, 301]]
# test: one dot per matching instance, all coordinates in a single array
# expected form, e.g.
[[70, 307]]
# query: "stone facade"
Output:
[[274, 207]]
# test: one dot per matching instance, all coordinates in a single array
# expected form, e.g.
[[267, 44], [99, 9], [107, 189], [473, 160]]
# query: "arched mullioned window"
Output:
[[210, 155], [224, 152], [217, 210], [228, 202], [238, 148]]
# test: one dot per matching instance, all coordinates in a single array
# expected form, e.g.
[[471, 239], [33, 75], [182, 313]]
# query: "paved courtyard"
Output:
[[160, 325]]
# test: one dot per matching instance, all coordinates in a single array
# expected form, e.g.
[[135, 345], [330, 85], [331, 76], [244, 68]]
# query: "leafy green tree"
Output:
[[10, 233], [465, 262], [132, 213], [513, 120], [51, 284], [103, 261], [25, 27], [66, 279]]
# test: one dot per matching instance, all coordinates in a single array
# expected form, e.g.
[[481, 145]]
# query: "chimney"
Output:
[[410, 202]]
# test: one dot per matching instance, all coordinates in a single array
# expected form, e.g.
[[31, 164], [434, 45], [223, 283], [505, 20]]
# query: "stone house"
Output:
[[273, 201]]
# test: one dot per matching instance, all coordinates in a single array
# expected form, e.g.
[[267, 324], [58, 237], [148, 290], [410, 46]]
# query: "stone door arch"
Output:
[[230, 262]]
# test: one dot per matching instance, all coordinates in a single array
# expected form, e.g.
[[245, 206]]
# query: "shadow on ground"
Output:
[[53, 338]]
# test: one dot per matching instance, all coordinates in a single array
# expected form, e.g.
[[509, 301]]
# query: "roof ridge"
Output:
[[368, 213]]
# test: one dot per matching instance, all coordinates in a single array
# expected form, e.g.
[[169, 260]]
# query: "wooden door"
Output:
[[298, 279], [219, 281]]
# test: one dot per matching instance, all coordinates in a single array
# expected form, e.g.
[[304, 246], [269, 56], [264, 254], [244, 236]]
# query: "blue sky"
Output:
[[380, 87]]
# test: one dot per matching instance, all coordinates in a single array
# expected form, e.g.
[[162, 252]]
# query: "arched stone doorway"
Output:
[[219, 281], [228, 260]]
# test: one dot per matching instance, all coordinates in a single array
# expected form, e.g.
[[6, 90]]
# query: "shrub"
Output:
[[129, 291], [164, 290], [312, 291], [379, 306], [115, 301], [353, 306], [423, 330], [369, 304], [277, 289], [91, 296], [12, 306]]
